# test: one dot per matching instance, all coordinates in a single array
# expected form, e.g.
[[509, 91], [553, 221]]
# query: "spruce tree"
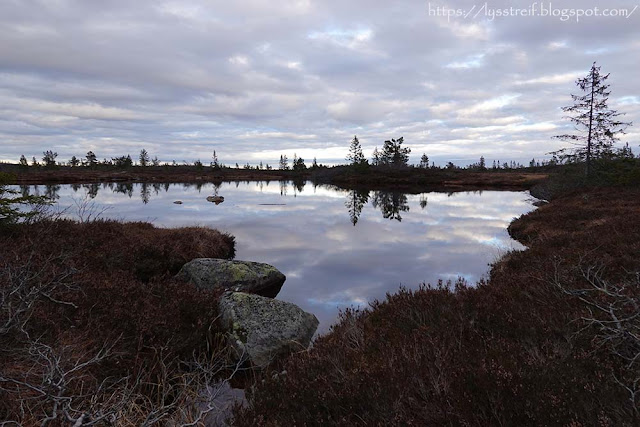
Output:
[[424, 161], [144, 158], [355, 156], [92, 160], [393, 153], [596, 124]]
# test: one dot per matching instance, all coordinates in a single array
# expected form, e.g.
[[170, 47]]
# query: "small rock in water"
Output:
[[215, 199], [177, 202]]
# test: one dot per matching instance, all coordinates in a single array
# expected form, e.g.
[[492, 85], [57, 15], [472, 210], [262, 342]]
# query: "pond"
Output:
[[338, 248]]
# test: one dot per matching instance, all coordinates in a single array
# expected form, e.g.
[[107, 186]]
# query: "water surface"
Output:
[[337, 248]]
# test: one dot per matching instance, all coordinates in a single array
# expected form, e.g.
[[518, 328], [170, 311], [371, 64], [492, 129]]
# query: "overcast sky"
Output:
[[254, 79]]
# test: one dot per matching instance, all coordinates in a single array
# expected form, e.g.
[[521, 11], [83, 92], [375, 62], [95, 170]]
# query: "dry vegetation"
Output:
[[96, 331], [551, 339]]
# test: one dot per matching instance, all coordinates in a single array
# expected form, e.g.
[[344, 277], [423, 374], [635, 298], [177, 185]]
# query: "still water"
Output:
[[338, 248]]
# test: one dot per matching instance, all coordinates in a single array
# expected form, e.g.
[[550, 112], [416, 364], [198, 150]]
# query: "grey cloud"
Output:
[[184, 78]]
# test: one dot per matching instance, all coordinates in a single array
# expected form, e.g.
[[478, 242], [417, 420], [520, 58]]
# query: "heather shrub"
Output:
[[519, 349], [93, 307]]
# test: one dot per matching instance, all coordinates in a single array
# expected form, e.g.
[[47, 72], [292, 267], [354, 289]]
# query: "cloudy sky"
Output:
[[254, 79]]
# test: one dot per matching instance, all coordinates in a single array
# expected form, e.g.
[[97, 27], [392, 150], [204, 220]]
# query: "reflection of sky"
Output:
[[308, 235]]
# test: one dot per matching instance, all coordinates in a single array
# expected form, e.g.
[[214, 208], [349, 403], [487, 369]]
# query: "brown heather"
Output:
[[514, 350], [115, 280]]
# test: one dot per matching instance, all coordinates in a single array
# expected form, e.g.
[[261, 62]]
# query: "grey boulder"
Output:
[[241, 276], [262, 329]]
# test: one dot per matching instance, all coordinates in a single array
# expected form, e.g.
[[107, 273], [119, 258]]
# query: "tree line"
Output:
[[597, 128]]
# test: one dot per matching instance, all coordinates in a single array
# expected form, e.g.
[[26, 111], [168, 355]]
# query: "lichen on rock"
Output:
[[242, 276], [262, 329]]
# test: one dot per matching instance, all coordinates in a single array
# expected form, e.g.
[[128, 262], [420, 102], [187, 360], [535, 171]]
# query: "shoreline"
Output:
[[410, 180], [438, 356], [512, 339]]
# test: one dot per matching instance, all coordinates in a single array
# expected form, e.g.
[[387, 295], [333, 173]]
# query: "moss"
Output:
[[239, 272], [240, 332]]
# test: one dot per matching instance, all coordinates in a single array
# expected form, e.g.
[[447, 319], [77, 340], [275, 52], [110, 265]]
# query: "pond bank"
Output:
[[511, 351], [94, 324], [411, 180]]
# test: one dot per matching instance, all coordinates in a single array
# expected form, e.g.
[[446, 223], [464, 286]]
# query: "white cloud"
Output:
[[553, 79], [474, 61]]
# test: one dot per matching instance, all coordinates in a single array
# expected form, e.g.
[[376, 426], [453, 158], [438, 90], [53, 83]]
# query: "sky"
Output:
[[255, 79]]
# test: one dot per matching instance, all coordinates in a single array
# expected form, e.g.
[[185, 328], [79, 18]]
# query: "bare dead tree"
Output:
[[48, 386], [25, 285], [60, 383], [614, 313]]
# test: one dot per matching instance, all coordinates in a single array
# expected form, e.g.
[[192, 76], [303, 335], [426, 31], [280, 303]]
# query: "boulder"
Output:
[[215, 199], [240, 276], [261, 329], [177, 202]]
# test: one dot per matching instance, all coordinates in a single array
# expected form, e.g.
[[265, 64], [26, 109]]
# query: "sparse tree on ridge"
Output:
[[49, 158], [375, 159], [74, 161], [626, 152], [298, 164], [596, 124], [92, 160], [355, 156], [424, 161], [23, 161], [123, 161], [214, 163], [284, 162], [393, 154], [144, 158]]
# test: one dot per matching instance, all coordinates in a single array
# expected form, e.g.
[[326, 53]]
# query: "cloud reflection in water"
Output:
[[309, 234]]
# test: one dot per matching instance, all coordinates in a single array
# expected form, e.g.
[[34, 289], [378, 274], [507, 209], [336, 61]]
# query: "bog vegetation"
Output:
[[95, 330], [550, 339]]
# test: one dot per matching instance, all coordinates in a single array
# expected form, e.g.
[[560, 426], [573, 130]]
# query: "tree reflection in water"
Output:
[[390, 204], [423, 201], [355, 202], [145, 192]]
